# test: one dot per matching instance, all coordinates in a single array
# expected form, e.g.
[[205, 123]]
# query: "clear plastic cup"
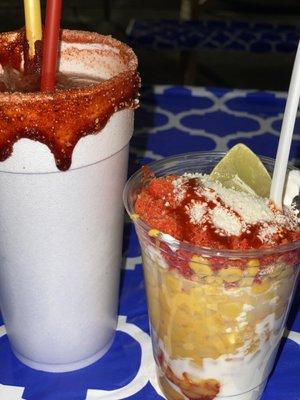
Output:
[[61, 231], [216, 316]]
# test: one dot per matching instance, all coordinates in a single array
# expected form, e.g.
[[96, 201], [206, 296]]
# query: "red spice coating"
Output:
[[59, 119], [158, 207]]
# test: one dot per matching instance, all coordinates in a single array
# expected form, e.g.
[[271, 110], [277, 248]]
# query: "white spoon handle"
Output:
[[286, 134]]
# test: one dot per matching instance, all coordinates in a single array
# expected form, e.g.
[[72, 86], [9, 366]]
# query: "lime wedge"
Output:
[[242, 170]]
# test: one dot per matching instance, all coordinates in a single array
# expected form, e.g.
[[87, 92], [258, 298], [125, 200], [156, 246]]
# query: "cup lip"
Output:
[[61, 118], [72, 36], [195, 249]]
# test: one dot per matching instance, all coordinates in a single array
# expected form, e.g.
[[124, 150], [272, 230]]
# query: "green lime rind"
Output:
[[242, 170]]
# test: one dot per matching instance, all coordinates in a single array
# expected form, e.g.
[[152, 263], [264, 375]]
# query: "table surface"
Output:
[[171, 120]]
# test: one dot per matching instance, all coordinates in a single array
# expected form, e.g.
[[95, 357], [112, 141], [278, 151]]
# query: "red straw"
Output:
[[50, 44]]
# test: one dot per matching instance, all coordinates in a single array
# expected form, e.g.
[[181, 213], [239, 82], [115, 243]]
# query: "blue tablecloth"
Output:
[[205, 34], [171, 120]]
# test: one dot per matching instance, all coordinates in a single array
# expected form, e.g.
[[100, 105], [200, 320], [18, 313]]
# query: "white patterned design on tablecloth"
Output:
[[265, 123], [145, 374]]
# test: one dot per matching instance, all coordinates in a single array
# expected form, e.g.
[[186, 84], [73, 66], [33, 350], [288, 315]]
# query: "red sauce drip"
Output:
[[33, 65], [59, 119], [181, 212], [11, 50], [252, 236]]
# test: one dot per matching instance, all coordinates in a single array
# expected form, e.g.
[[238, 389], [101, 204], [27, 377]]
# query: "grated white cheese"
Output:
[[209, 194], [196, 212], [179, 189], [225, 220], [232, 212], [266, 233], [252, 209]]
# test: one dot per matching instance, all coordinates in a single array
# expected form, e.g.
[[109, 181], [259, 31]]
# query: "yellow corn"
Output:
[[231, 274], [200, 269], [231, 310], [134, 217], [201, 260], [261, 287], [252, 271], [154, 233], [214, 280], [246, 282], [254, 262]]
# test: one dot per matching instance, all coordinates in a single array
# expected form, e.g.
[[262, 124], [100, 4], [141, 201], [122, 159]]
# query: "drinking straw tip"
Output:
[[33, 24], [50, 44]]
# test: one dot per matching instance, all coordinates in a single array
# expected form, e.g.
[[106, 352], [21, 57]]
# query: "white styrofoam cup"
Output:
[[60, 242]]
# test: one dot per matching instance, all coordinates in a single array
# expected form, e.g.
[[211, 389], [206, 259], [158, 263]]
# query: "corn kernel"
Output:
[[154, 233], [188, 346], [134, 217], [231, 310], [231, 274], [254, 262], [200, 269], [246, 282], [172, 283], [219, 345], [231, 338], [211, 290], [199, 259], [252, 271], [196, 292], [180, 299], [212, 306], [197, 301], [261, 287], [214, 280]]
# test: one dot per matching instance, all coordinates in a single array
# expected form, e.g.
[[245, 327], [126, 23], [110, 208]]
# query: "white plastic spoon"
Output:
[[286, 134]]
